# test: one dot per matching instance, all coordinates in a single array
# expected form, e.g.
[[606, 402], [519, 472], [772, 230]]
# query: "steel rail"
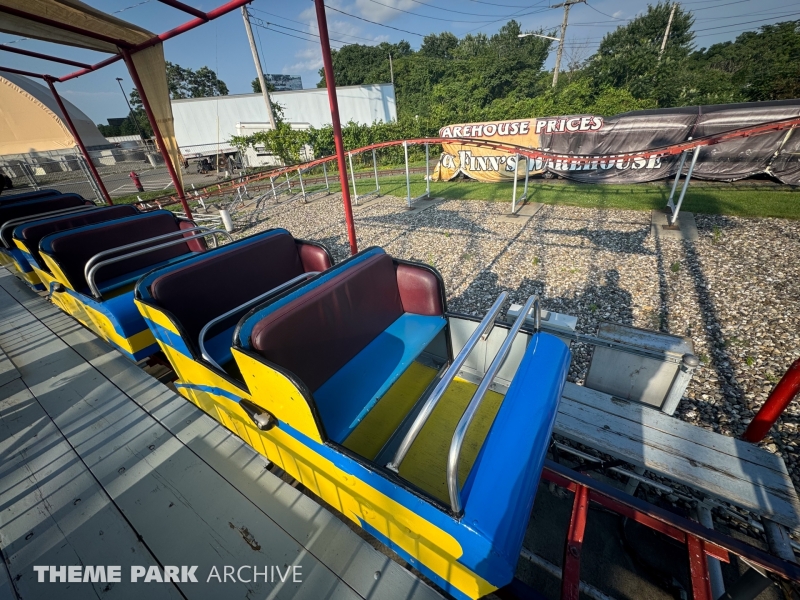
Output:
[[90, 273], [569, 159], [460, 434], [482, 330], [90, 263]]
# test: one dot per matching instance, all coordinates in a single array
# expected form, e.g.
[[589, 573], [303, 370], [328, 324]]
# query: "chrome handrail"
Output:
[[37, 216], [93, 271], [99, 255], [460, 433], [201, 338], [485, 326]]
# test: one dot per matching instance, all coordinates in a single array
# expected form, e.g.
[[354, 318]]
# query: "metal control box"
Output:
[[641, 365]]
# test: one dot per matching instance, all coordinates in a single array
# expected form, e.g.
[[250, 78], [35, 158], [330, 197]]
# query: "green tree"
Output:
[[256, 85], [356, 64], [758, 65], [630, 56]]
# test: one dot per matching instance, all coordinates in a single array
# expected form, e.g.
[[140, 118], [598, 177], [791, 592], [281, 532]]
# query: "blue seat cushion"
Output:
[[345, 399]]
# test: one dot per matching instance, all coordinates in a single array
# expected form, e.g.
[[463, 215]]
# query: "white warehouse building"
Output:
[[204, 126]]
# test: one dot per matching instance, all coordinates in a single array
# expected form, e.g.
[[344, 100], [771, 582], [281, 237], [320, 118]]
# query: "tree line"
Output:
[[480, 77]]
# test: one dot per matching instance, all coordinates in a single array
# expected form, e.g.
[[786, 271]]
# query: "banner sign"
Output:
[[486, 164], [604, 138]]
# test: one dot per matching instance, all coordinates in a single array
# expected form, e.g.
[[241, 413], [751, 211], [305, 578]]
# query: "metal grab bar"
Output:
[[93, 271], [469, 414], [483, 330], [50, 213], [90, 263], [201, 338]]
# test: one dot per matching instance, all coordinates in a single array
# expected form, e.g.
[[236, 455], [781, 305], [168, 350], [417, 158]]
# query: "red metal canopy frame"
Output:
[[125, 51]]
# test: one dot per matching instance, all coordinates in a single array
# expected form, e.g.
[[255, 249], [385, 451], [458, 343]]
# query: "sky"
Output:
[[286, 35]]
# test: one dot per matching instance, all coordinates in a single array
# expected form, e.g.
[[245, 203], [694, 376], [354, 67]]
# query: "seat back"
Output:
[[317, 329], [205, 287], [73, 248], [32, 195], [17, 210], [32, 232]]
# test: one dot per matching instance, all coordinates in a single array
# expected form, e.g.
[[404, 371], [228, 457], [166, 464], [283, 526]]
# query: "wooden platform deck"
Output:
[[103, 465]]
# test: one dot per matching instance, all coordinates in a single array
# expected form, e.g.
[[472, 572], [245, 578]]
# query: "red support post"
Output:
[[78, 140], [159, 140], [330, 81], [788, 387], [698, 568], [571, 574], [26, 73]]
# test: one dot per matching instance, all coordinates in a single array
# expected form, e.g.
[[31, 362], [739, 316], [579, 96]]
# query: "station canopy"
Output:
[[61, 22]]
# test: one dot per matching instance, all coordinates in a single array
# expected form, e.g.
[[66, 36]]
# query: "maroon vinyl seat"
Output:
[[203, 288], [73, 248], [32, 233], [349, 335]]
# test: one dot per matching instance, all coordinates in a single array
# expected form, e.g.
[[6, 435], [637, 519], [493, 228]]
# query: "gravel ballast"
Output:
[[733, 291]]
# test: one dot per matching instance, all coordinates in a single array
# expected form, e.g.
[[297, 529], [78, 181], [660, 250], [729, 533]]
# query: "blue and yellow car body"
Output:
[[113, 315], [332, 435], [31, 206]]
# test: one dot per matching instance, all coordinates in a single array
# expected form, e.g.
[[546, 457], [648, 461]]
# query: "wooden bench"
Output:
[[722, 467]]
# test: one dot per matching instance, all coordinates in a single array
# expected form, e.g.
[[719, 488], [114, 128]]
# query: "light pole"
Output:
[[131, 116]]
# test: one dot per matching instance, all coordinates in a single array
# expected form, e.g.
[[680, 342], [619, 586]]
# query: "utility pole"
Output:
[[566, 6], [666, 33], [259, 70], [391, 68]]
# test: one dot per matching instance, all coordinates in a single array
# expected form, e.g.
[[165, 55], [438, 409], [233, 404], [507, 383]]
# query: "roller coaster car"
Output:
[[27, 235], [196, 336], [357, 383], [93, 269], [24, 196], [13, 213]]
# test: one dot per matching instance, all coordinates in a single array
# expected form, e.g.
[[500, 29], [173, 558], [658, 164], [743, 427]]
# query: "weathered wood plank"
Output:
[[740, 482], [53, 512], [656, 420], [321, 533], [186, 513]]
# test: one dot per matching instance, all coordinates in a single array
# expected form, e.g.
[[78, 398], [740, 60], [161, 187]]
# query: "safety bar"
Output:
[[37, 216], [233, 311], [469, 414], [90, 263], [483, 330], [93, 271]]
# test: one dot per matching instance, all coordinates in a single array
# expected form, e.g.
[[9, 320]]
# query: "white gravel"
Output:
[[733, 291]]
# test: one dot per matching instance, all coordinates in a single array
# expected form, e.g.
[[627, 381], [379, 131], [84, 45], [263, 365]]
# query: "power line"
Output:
[[265, 25], [748, 22], [459, 12], [408, 12], [509, 5], [328, 7], [311, 25], [604, 14], [305, 39]]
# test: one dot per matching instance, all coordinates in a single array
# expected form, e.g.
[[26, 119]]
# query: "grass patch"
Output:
[[713, 199], [131, 198], [744, 201]]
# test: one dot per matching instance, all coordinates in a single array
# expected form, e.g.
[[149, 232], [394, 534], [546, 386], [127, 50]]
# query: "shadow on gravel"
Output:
[[720, 359]]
